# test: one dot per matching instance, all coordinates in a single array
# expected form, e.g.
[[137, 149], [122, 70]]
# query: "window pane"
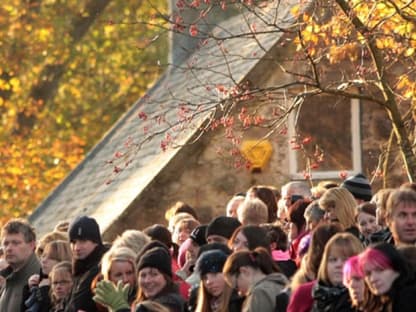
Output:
[[328, 121]]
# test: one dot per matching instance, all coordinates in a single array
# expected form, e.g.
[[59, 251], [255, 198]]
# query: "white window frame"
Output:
[[356, 152]]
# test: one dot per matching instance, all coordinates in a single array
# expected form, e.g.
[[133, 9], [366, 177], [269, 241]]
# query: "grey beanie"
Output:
[[359, 187]]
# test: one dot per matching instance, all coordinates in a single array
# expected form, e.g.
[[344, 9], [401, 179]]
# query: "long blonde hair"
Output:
[[310, 263], [344, 244], [343, 203], [58, 250]]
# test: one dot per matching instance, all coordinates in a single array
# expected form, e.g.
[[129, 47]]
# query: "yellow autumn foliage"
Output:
[[43, 137]]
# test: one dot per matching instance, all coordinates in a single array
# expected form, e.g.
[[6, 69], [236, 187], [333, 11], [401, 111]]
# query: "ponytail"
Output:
[[264, 261], [258, 258]]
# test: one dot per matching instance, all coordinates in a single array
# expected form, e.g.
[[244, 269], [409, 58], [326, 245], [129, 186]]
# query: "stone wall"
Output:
[[206, 179]]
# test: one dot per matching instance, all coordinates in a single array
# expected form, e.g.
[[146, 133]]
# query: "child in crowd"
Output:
[[61, 284]]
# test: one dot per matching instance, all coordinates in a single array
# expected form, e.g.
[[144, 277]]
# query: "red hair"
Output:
[[351, 268], [373, 258]]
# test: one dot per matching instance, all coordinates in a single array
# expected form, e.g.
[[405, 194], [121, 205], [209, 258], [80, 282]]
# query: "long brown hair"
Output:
[[266, 195], [256, 236], [204, 298], [310, 265]]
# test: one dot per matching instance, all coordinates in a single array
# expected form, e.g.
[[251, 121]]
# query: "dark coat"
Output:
[[234, 305], [173, 300], [330, 299], [84, 271], [382, 236], [236, 302], [287, 267], [168, 297], [36, 299], [402, 295]]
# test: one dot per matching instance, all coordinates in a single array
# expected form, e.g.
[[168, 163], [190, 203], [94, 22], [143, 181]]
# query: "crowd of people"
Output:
[[333, 247]]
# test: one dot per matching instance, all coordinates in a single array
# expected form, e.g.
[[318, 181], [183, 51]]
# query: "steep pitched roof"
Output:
[[180, 93]]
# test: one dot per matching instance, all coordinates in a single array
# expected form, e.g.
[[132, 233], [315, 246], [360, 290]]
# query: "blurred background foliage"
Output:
[[68, 70]]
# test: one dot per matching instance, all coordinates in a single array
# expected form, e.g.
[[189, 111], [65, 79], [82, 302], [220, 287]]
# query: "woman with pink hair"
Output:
[[353, 280], [389, 279]]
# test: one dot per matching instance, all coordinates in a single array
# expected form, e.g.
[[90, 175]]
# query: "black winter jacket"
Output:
[[330, 299], [84, 271], [402, 295]]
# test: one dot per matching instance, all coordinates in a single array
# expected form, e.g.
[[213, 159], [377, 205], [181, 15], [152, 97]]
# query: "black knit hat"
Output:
[[222, 226], [359, 187], [150, 245], [84, 228], [214, 246], [198, 234], [157, 258], [211, 261]]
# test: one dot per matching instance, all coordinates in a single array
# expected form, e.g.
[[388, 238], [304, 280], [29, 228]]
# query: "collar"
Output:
[[80, 266], [9, 273]]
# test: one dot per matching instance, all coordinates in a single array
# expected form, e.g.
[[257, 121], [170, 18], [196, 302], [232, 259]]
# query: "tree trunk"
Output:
[[390, 105]]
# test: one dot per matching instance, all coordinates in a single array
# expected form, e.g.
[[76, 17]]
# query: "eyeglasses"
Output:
[[62, 283]]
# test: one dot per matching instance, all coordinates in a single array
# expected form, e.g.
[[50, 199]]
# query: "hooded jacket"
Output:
[[262, 295]]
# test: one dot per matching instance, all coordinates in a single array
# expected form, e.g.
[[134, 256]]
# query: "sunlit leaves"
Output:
[[105, 73], [346, 51], [389, 25], [406, 86]]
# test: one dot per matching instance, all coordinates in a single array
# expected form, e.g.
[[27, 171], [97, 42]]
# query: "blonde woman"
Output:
[[183, 229], [47, 238], [340, 207], [311, 261], [119, 264], [133, 239], [154, 283], [328, 293]]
